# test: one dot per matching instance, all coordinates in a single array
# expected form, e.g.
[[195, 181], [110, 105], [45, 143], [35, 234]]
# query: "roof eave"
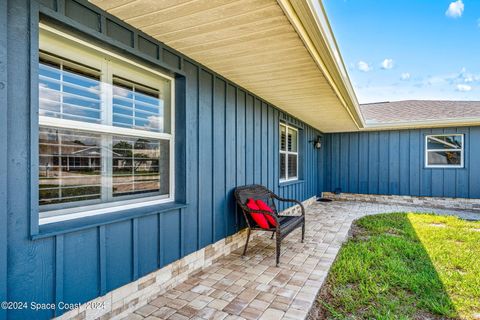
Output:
[[311, 23]]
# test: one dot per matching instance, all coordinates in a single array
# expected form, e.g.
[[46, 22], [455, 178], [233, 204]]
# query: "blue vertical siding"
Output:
[[393, 162], [353, 162], [148, 244], [3, 154], [219, 160], [461, 186], [225, 137], [80, 263], [170, 241], [473, 156], [192, 235], [373, 162], [416, 161], [230, 158], [119, 252], [205, 157], [264, 154], [363, 169]]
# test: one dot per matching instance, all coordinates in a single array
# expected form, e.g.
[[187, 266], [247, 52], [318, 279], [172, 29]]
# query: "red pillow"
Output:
[[259, 218], [263, 206]]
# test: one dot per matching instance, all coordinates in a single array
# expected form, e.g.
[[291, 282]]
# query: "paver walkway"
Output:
[[251, 287]]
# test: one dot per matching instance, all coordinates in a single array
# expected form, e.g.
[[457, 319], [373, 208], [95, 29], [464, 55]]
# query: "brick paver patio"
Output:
[[251, 287]]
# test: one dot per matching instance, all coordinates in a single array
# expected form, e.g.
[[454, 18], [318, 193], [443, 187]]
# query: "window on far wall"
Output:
[[444, 151], [288, 153], [105, 135]]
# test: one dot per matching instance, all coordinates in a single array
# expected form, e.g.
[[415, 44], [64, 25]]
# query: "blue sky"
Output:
[[409, 49]]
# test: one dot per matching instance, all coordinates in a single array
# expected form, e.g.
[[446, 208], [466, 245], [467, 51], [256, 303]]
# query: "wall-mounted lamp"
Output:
[[317, 143]]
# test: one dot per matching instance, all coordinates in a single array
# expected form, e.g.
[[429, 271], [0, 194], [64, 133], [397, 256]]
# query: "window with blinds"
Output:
[[105, 136], [288, 153]]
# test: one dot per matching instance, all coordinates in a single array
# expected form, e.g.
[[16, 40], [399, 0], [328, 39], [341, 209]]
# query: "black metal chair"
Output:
[[284, 224]]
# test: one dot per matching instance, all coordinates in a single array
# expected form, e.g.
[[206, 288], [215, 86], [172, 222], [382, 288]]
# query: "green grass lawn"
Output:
[[405, 266]]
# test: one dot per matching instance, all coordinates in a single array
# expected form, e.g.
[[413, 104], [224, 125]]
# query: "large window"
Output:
[[288, 153], [106, 136], [444, 151]]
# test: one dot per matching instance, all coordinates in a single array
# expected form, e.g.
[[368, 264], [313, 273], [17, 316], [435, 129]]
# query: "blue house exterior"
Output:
[[393, 163], [225, 137]]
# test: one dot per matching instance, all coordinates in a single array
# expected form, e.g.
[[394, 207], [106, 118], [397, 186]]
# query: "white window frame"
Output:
[[287, 153], [461, 150], [59, 45]]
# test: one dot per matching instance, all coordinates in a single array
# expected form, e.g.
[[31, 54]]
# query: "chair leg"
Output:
[[273, 233], [246, 243], [278, 248], [303, 232]]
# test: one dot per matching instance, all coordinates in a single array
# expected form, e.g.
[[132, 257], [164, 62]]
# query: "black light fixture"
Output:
[[317, 143]]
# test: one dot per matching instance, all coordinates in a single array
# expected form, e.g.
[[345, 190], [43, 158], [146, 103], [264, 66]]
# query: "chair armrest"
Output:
[[291, 200]]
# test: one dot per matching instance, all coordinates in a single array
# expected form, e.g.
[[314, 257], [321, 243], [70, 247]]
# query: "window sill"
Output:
[[62, 227], [444, 167], [288, 183]]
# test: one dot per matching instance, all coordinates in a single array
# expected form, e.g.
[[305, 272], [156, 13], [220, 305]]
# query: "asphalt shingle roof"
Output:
[[419, 110]]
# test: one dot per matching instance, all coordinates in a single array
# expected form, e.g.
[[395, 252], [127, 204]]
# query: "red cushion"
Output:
[[259, 218], [263, 206]]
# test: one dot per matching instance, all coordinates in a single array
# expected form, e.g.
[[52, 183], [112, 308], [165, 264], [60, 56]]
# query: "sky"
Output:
[[409, 49]]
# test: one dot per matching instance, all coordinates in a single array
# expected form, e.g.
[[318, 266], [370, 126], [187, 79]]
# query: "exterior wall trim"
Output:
[[431, 202]]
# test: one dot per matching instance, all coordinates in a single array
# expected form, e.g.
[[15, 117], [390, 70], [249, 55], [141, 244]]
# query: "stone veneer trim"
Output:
[[433, 202], [124, 300]]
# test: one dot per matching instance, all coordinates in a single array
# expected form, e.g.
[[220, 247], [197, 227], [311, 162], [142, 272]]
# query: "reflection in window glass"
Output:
[[444, 142], [444, 158], [68, 91], [292, 166], [292, 140], [444, 150], [283, 138], [140, 107], [70, 166], [139, 166], [283, 165], [86, 167]]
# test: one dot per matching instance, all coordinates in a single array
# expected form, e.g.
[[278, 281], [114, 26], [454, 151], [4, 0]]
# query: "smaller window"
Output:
[[444, 151], [288, 153]]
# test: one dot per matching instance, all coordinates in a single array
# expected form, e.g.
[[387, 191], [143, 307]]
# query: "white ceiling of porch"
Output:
[[250, 42]]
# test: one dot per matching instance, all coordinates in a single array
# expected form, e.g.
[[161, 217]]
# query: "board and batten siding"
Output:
[[393, 163], [3, 155], [230, 137]]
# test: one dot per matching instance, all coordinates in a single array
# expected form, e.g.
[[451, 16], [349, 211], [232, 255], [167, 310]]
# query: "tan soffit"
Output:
[[252, 43]]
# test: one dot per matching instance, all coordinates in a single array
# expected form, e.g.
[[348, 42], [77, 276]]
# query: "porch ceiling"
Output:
[[253, 43]]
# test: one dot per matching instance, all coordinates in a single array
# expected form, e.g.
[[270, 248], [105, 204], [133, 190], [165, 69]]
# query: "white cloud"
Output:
[[478, 22], [467, 77], [363, 66], [471, 78], [155, 122], [463, 87], [455, 9], [436, 80], [387, 64], [405, 76]]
